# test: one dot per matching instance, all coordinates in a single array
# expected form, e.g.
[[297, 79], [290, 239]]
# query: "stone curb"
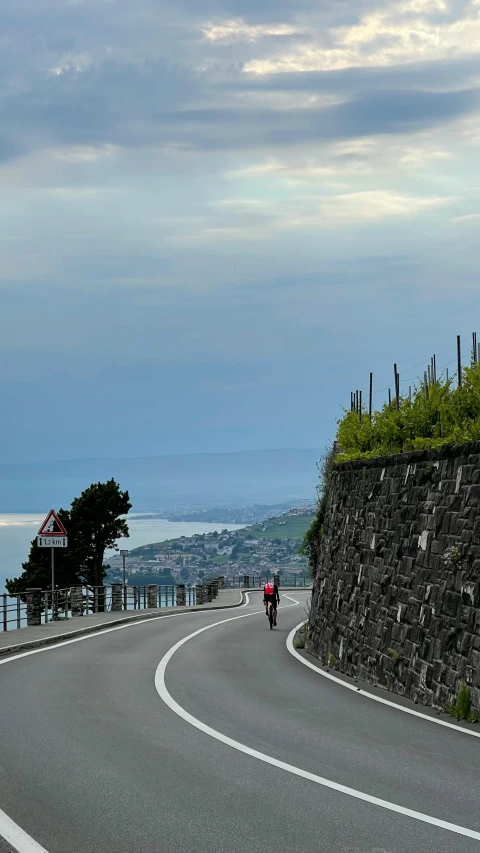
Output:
[[93, 629]]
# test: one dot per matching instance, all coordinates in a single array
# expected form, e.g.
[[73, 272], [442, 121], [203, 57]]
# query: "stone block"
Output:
[[34, 606]]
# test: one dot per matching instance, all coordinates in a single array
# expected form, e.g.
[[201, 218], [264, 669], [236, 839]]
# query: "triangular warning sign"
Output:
[[52, 526]]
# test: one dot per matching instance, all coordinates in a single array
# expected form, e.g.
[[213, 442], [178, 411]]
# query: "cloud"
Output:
[[468, 219], [377, 204], [401, 33], [163, 200], [231, 31]]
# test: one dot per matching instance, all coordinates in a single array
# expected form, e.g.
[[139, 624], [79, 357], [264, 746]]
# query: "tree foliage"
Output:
[[94, 522], [441, 416]]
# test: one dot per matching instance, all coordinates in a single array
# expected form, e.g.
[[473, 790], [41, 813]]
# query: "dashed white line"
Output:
[[366, 694], [282, 765]]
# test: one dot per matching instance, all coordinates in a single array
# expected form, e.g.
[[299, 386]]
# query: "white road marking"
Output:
[[17, 837], [367, 694], [9, 830], [282, 765], [102, 631]]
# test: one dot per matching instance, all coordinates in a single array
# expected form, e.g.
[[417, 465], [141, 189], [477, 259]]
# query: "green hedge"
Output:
[[446, 415]]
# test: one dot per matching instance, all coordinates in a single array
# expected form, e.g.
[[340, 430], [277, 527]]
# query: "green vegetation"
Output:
[[393, 654], [436, 416], [292, 527], [93, 524], [461, 709], [331, 660], [310, 547]]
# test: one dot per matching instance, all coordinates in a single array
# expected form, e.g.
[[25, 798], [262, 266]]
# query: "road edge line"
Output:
[[107, 630], [11, 831], [359, 691], [127, 620], [166, 697]]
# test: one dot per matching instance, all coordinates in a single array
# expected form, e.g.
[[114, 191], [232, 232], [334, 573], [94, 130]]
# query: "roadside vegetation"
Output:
[[437, 415], [94, 522], [462, 708], [310, 547]]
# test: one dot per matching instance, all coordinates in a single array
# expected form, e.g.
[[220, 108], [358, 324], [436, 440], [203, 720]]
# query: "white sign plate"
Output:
[[52, 541]]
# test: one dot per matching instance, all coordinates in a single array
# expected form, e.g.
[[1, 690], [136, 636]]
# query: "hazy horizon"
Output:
[[167, 481]]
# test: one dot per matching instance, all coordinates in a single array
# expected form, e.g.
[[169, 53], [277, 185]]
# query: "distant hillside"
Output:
[[263, 548], [167, 482]]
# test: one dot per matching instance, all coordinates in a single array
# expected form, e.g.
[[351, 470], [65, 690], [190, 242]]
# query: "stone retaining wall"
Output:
[[396, 600]]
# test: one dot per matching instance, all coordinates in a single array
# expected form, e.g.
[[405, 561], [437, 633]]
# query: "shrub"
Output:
[[461, 709], [312, 538], [446, 415]]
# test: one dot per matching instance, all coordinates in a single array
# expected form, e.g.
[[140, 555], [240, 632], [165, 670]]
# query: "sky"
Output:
[[217, 216]]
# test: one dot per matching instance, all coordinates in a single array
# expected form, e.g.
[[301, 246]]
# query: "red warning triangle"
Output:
[[52, 526]]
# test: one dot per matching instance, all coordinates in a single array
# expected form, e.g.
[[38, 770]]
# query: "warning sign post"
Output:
[[52, 534]]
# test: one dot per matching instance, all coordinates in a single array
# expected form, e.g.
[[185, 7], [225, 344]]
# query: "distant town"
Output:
[[225, 515], [269, 546]]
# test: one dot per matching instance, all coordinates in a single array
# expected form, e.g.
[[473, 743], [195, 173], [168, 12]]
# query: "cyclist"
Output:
[[271, 596]]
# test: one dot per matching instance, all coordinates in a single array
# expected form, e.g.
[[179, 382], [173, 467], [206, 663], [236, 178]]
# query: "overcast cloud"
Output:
[[217, 216]]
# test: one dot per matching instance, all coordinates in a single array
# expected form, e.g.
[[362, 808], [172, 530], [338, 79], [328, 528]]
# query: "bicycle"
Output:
[[271, 615]]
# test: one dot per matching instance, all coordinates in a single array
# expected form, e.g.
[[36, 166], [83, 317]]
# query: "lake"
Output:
[[17, 531]]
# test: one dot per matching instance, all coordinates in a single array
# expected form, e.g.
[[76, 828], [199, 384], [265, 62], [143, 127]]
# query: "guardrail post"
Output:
[[5, 619], [246, 581], [276, 579], [221, 582], [152, 596], [200, 595], [34, 606], [117, 600], [181, 595], [215, 587]]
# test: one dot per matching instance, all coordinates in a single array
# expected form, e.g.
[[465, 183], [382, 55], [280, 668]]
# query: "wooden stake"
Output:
[[459, 360], [371, 396], [389, 397], [397, 386]]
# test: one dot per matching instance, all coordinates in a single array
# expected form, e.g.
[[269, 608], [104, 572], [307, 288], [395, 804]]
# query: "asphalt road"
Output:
[[92, 759]]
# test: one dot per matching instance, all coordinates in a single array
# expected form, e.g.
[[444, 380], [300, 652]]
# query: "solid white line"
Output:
[[9, 830], [102, 631], [282, 765], [291, 599], [17, 837], [366, 694]]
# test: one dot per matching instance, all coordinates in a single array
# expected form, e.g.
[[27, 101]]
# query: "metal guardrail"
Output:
[[258, 581], [100, 599], [58, 607], [13, 613]]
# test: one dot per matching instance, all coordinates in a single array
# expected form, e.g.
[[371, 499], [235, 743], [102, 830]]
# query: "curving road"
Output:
[[93, 759]]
